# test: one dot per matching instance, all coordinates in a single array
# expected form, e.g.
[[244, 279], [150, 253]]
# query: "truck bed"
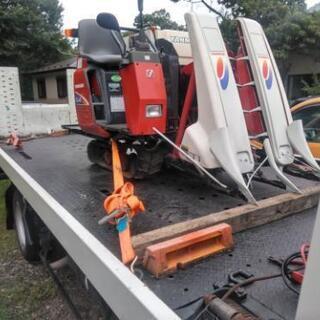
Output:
[[61, 167]]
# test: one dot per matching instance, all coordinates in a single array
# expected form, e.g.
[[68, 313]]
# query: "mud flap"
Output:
[[221, 149], [297, 139], [274, 166]]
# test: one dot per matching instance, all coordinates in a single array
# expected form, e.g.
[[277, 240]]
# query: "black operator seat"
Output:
[[100, 40]]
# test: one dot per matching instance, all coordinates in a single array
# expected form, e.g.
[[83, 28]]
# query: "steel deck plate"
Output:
[[61, 166]]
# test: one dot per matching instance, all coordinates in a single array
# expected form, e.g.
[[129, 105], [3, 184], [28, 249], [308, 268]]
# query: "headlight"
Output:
[[153, 110]]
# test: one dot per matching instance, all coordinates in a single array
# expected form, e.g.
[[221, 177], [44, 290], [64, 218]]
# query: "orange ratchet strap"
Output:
[[122, 205], [14, 140]]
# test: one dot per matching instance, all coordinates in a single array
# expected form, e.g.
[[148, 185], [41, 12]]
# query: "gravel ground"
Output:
[[28, 292]]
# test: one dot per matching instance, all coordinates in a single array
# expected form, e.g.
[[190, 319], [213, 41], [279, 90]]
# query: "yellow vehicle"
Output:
[[309, 112]]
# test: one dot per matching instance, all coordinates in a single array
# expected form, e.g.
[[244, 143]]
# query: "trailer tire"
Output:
[[27, 235]]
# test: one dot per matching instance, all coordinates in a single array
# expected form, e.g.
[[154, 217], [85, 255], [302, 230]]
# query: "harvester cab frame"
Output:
[[114, 73]]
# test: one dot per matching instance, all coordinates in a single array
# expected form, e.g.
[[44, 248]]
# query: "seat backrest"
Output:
[[100, 45]]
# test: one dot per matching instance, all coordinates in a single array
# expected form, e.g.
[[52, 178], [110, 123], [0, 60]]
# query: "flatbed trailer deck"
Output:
[[67, 192]]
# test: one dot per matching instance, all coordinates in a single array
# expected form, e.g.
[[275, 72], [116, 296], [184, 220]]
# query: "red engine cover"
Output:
[[143, 84]]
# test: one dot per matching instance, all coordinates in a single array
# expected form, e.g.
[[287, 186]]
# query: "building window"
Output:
[[42, 92], [62, 86], [296, 83]]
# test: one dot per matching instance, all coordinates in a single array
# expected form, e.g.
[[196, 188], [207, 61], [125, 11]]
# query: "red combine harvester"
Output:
[[144, 108], [134, 91], [120, 94]]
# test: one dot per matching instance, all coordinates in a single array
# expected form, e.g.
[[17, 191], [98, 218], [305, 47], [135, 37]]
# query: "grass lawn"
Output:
[[27, 292], [23, 288]]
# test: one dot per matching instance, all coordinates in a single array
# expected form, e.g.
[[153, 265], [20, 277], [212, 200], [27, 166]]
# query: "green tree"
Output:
[[30, 33], [289, 27], [160, 18], [265, 11]]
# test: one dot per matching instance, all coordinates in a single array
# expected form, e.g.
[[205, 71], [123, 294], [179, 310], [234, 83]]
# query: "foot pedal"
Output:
[[166, 257]]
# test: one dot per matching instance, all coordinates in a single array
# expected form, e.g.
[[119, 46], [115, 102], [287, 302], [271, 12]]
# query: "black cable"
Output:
[[286, 271], [188, 304], [247, 282]]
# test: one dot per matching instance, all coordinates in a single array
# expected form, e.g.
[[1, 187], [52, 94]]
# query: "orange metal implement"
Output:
[[14, 140], [165, 257]]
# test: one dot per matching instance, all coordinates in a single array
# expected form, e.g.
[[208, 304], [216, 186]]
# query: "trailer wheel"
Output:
[[26, 229]]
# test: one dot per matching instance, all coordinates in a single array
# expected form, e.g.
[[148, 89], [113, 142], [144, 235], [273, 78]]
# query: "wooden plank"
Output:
[[240, 218]]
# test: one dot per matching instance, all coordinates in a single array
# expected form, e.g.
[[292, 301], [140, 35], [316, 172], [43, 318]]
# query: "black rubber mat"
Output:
[[252, 248], [60, 165]]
